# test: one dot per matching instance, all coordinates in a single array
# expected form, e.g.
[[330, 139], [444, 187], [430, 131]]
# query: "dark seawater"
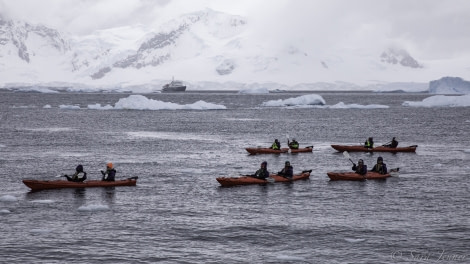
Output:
[[178, 213]]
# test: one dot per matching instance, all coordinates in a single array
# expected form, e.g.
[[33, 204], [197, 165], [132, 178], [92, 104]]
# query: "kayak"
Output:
[[301, 176], [243, 180], [247, 180], [352, 176], [254, 151], [376, 149], [37, 185], [299, 150]]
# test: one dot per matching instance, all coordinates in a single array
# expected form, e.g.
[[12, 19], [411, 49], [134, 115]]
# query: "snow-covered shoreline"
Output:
[[445, 85]]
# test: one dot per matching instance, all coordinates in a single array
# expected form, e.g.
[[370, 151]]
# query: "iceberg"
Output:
[[441, 101], [309, 99], [140, 102], [449, 85]]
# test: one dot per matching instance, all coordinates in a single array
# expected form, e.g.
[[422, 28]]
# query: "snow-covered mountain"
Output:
[[399, 56], [205, 49]]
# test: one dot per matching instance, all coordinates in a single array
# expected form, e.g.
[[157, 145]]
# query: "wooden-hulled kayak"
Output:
[[376, 149], [352, 176], [299, 150], [301, 176], [254, 151], [247, 180], [37, 185], [243, 180]]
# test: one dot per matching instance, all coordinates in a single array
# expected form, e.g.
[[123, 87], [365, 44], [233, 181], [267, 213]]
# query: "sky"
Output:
[[428, 29]]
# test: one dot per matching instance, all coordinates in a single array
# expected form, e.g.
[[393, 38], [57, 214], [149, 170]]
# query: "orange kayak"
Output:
[[247, 180], [301, 176], [37, 185], [376, 149], [352, 176], [306, 149], [254, 151]]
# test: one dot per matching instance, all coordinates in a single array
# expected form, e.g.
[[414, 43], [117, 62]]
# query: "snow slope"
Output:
[[207, 50]]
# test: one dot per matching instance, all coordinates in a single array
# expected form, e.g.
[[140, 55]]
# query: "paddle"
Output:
[[387, 144], [346, 155], [288, 151]]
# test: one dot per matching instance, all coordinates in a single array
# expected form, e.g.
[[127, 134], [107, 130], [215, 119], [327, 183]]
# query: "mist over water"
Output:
[[178, 213]]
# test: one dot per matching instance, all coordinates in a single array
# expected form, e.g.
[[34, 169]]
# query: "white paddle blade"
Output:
[[346, 155]]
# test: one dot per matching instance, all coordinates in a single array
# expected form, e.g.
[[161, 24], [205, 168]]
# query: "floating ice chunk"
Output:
[[441, 101], [290, 258], [342, 105], [93, 208], [140, 102], [8, 198], [309, 99], [354, 240]]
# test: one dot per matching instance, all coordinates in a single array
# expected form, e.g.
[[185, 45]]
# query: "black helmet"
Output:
[[287, 163], [79, 168], [265, 163], [380, 158], [360, 161]]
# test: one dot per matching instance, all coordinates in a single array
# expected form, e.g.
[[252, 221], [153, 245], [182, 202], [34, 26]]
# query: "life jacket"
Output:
[[294, 145], [275, 146], [80, 176], [262, 173]]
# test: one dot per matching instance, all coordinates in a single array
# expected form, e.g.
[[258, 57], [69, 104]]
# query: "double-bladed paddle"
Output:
[[346, 155]]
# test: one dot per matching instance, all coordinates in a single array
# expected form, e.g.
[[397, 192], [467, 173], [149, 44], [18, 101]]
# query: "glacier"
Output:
[[208, 50]]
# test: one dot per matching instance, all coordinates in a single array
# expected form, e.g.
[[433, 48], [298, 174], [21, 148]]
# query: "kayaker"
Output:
[[78, 176], [287, 171], [392, 144], [293, 144], [380, 167], [369, 143], [276, 144], [361, 168], [109, 174], [263, 172]]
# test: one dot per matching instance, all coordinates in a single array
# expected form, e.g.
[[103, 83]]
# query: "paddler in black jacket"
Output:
[[361, 168], [287, 171], [263, 172], [109, 174], [78, 176]]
